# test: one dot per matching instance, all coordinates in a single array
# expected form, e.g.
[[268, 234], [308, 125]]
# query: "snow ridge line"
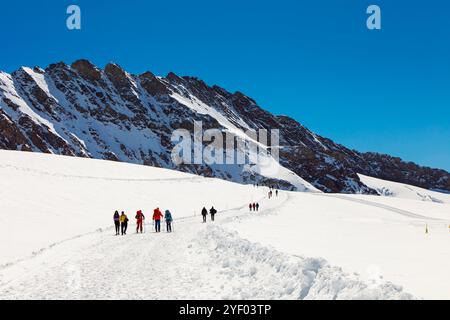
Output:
[[386, 207], [261, 272], [61, 175]]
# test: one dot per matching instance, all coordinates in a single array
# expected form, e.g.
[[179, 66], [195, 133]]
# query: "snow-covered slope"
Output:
[[404, 191], [59, 242]]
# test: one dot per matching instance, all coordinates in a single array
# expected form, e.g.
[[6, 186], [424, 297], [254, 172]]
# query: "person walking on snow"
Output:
[[250, 206], [212, 212], [123, 223], [157, 215], [139, 221], [168, 218], [257, 206], [116, 218], [254, 206], [276, 192], [204, 213]]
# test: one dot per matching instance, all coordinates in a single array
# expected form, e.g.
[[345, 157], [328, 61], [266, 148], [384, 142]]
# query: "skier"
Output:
[[204, 213], [257, 206], [212, 212], [168, 218], [139, 221], [116, 218], [123, 223], [254, 206], [250, 206], [157, 215]]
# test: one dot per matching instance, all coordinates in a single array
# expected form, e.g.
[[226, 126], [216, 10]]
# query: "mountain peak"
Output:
[[87, 70]]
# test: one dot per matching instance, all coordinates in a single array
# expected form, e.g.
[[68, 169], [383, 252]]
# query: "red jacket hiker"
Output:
[[157, 215], [139, 221]]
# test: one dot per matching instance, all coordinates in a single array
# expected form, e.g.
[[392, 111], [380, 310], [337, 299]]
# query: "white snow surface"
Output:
[[59, 242]]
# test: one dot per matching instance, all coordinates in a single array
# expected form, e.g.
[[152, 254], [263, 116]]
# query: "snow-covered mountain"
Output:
[[82, 110]]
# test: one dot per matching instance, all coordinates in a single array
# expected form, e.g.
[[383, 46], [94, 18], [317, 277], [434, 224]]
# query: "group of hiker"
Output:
[[212, 212], [271, 189], [121, 221]]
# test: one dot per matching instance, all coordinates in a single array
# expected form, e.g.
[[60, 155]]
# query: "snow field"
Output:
[[59, 242]]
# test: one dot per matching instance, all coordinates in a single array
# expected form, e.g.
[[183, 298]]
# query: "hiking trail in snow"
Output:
[[196, 261]]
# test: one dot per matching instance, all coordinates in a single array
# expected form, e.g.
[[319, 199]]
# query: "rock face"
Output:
[[82, 110]]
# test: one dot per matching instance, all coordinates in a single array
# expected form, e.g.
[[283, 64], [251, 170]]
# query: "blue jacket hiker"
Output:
[[168, 218]]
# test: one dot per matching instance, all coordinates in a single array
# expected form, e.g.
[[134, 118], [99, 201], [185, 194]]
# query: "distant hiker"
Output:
[[139, 221], [168, 218], [157, 215], [250, 206], [276, 192], [116, 218], [254, 206], [212, 212], [123, 223], [257, 206], [204, 213]]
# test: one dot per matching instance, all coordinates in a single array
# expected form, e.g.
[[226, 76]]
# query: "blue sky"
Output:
[[315, 60]]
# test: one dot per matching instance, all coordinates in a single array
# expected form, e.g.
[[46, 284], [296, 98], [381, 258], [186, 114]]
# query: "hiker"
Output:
[[250, 206], [157, 215], [257, 206], [139, 221], [168, 218], [254, 206], [116, 218], [123, 223], [204, 213], [212, 212], [276, 192]]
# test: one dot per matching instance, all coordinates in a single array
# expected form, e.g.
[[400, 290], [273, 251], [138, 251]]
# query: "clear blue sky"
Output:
[[315, 60]]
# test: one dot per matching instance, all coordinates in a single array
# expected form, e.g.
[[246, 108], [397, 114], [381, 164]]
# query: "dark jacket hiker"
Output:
[[212, 212], [204, 213], [116, 218]]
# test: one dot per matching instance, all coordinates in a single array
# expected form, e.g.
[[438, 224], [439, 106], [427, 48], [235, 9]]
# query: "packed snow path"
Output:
[[196, 261]]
